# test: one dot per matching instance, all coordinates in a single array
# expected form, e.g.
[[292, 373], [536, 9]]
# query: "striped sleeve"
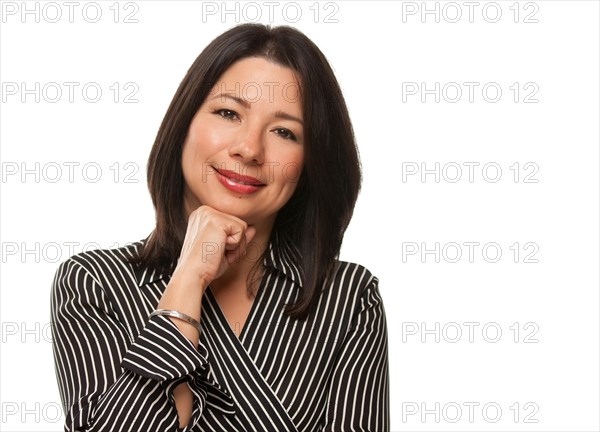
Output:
[[107, 381], [358, 398]]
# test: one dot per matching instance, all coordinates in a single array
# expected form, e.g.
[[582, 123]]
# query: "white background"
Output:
[[375, 48]]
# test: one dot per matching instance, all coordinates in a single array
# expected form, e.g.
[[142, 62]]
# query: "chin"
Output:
[[234, 206], [237, 210]]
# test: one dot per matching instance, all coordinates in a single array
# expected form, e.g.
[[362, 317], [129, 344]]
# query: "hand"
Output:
[[213, 242]]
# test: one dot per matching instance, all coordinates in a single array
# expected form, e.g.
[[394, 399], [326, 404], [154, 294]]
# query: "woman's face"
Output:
[[249, 124]]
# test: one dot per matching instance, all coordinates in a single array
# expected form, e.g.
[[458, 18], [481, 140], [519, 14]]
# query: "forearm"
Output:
[[131, 401], [184, 294], [151, 378]]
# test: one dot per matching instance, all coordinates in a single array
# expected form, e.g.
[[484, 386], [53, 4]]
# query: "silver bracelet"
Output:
[[179, 315]]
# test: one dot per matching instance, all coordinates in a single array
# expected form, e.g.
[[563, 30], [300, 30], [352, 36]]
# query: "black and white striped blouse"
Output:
[[116, 368]]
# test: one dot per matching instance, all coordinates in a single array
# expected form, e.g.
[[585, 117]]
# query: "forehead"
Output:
[[257, 79]]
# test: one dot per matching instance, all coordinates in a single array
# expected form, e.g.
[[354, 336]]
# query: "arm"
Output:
[[107, 381], [358, 398]]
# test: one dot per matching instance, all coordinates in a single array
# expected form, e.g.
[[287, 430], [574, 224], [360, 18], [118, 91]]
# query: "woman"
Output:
[[235, 313]]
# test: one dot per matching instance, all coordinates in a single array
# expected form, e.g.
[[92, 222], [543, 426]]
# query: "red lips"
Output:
[[238, 183], [239, 177]]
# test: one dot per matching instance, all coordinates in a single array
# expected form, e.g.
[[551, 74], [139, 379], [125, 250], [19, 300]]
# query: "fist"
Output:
[[213, 242]]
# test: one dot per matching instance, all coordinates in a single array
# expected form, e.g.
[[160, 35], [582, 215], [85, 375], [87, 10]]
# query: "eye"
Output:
[[286, 134], [227, 114]]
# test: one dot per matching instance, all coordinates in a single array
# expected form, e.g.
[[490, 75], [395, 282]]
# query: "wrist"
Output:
[[204, 282], [184, 294], [191, 279], [178, 315]]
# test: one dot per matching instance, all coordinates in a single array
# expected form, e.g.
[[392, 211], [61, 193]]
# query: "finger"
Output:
[[236, 239], [250, 233], [234, 233], [234, 256], [242, 247], [231, 257]]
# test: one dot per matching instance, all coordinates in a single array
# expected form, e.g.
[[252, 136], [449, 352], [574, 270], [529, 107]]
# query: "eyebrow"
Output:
[[246, 104]]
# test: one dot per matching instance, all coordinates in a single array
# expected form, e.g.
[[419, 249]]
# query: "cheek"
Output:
[[201, 144], [291, 170], [208, 134], [190, 155]]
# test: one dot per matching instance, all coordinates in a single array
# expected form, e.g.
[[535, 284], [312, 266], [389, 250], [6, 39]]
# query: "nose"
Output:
[[249, 146]]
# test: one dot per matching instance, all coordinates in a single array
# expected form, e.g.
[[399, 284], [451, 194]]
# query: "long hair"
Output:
[[316, 216]]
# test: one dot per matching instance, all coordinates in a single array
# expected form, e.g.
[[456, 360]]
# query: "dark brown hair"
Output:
[[318, 213]]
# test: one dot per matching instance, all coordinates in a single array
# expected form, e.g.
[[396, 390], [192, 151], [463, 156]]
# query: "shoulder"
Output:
[[102, 265], [350, 294], [350, 282], [352, 276]]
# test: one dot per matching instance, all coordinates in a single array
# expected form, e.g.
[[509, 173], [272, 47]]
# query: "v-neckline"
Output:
[[236, 369], [223, 319]]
